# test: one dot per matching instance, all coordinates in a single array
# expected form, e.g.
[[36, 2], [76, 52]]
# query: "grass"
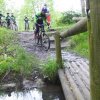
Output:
[[13, 56], [80, 45], [50, 68]]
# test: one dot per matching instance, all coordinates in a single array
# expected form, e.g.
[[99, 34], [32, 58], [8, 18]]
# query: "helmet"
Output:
[[45, 4]]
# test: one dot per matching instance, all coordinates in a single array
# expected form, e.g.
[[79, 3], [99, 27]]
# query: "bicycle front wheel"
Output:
[[45, 42]]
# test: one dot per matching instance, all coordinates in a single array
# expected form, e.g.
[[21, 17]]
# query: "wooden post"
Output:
[[95, 49], [58, 50]]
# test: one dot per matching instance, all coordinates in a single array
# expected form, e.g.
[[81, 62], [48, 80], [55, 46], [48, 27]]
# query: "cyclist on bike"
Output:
[[1, 15], [8, 19], [26, 22], [39, 21]]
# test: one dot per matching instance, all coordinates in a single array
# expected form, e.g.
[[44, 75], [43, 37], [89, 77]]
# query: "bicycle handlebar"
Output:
[[40, 25]]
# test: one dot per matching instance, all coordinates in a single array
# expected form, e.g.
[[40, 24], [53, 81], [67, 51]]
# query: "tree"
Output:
[[95, 50], [83, 7], [2, 4], [32, 7]]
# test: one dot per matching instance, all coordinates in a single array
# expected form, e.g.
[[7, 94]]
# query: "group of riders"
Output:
[[8, 21], [41, 18]]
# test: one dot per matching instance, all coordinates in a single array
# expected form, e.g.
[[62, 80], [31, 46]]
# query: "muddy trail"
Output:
[[27, 41]]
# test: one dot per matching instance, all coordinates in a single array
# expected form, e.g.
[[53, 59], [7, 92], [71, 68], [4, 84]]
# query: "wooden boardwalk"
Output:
[[75, 77]]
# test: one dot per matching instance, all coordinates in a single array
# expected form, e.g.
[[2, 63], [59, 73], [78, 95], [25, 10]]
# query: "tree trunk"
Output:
[[78, 28], [95, 50], [83, 7]]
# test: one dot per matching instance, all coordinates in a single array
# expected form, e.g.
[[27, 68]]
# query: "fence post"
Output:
[[58, 49]]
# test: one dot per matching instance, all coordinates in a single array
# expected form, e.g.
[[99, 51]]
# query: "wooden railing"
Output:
[[78, 28]]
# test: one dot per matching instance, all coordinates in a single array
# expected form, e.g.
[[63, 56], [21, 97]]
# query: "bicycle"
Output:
[[42, 39]]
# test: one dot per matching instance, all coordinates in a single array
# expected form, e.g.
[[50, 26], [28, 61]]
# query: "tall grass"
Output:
[[13, 56], [79, 44], [50, 68]]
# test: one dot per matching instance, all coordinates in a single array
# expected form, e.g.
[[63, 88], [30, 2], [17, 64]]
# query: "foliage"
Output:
[[6, 36], [30, 8], [2, 5], [67, 17], [25, 62], [13, 56], [79, 44], [50, 68]]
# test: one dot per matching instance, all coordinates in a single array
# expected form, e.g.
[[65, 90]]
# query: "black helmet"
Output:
[[45, 4]]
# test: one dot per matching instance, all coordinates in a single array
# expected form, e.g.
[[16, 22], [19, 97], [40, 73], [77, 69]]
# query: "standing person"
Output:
[[13, 22], [1, 15], [48, 16], [48, 19], [13, 18], [8, 19], [26, 23]]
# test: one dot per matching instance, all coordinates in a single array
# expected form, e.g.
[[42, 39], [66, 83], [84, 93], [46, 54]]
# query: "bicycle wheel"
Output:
[[45, 42], [36, 39]]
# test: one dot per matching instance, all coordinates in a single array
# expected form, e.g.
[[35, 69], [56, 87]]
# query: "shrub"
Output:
[[13, 56], [67, 17], [50, 68]]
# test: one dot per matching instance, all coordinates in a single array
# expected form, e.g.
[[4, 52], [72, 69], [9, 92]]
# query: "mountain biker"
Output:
[[26, 22], [8, 18], [1, 15], [39, 20]]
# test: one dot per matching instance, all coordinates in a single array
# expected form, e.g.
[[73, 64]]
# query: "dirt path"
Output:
[[27, 41]]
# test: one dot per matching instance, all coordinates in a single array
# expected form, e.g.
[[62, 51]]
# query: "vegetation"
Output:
[[79, 44], [67, 16], [12, 56], [49, 69]]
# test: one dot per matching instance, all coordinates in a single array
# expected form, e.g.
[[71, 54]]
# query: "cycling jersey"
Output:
[[26, 20], [40, 18], [8, 18], [13, 18]]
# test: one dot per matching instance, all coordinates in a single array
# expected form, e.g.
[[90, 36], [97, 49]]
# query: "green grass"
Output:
[[50, 68], [80, 45], [13, 56]]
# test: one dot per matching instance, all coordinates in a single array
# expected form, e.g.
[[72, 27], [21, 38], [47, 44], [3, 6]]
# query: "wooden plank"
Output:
[[79, 83], [81, 75], [65, 85], [83, 69], [75, 89], [85, 64]]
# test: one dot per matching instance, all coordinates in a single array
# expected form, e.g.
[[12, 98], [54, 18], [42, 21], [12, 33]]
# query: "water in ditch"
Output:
[[52, 92]]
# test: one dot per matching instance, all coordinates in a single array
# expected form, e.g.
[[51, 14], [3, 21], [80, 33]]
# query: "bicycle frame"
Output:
[[42, 39]]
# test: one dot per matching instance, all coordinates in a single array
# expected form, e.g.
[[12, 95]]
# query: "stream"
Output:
[[51, 92]]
